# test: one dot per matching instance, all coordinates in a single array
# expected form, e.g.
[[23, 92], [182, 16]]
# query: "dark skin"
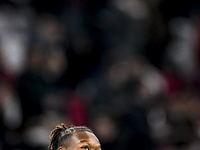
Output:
[[82, 140]]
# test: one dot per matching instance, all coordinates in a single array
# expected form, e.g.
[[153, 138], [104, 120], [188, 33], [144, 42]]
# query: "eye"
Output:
[[86, 147]]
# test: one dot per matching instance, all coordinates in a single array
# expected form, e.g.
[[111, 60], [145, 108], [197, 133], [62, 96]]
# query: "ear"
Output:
[[60, 148]]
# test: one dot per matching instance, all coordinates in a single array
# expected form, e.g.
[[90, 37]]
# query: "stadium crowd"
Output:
[[128, 69]]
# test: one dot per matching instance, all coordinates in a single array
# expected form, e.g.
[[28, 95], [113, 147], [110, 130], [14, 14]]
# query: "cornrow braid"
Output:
[[61, 133]]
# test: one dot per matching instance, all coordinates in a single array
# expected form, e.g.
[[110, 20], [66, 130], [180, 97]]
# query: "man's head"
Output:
[[73, 138]]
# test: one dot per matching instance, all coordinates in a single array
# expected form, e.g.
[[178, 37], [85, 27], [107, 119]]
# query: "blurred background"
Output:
[[128, 69]]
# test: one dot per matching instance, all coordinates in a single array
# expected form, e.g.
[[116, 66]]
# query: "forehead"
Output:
[[85, 136]]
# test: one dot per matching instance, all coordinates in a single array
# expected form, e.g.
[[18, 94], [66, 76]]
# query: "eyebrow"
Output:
[[87, 141], [83, 141]]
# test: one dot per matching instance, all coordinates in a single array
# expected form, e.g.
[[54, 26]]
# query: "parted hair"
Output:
[[61, 133]]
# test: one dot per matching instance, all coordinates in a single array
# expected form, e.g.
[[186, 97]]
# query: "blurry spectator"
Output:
[[50, 29], [37, 88], [14, 39], [181, 55], [31, 86], [157, 33], [76, 108], [11, 117]]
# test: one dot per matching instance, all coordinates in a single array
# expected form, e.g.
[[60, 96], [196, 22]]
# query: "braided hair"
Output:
[[62, 133]]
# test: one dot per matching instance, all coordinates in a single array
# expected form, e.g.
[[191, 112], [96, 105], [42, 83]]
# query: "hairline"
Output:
[[66, 138]]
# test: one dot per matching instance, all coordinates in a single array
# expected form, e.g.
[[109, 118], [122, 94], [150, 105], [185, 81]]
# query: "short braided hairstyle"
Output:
[[62, 133]]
